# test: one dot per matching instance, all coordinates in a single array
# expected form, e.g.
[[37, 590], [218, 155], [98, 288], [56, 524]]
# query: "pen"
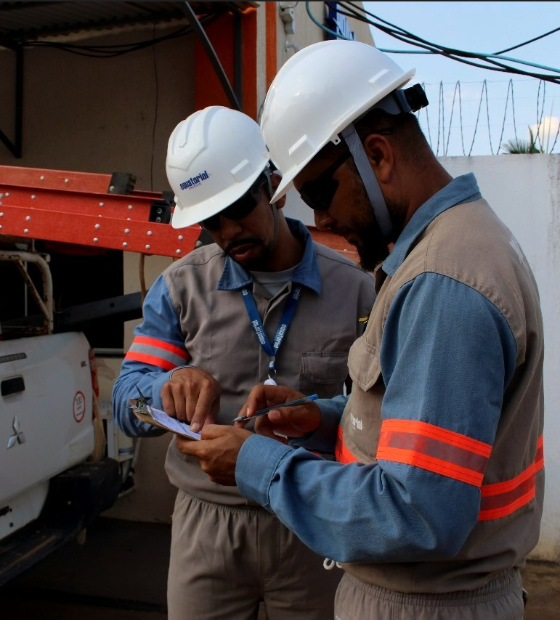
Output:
[[290, 403]]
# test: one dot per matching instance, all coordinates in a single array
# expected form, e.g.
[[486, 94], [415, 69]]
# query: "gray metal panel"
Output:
[[26, 21]]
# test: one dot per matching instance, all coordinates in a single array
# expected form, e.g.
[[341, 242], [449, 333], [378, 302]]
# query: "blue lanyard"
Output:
[[258, 327]]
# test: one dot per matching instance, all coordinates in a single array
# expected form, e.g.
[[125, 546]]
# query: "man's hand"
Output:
[[217, 451], [192, 395], [288, 421]]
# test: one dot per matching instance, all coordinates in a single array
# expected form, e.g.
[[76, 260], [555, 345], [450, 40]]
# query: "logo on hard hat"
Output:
[[194, 181]]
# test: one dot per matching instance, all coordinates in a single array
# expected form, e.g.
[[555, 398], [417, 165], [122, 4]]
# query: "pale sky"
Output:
[[486, 27]]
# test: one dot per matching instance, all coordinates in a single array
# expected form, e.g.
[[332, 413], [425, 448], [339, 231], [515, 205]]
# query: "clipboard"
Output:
[[155, 417]]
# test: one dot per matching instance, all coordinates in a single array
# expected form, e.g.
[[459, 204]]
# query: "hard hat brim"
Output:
[[281, 190]]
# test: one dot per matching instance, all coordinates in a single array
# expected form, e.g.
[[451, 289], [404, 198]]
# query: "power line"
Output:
[[458, 110], [491, 62]]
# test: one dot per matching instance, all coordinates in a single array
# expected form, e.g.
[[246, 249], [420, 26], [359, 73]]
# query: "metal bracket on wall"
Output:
[[15, 147]]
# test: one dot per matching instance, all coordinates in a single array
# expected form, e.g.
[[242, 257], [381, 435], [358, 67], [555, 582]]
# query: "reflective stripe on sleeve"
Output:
[[434, 449], [156, 353], [341, 453], [504, 498], [455, 456]]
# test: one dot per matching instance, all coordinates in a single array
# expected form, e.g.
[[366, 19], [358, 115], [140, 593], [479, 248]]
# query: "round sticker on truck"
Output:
[[79, 407]]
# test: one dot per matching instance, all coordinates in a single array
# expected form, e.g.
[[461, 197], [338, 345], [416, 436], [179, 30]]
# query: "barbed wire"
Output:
[[540, 132], [468, 117]]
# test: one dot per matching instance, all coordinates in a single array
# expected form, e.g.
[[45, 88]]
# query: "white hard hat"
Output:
[[318, 92], [213, 157]]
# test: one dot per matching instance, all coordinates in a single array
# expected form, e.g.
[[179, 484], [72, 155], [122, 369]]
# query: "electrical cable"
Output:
[[321, 26], [494, 62], [509, 49], [112, 51], [437, 48], [211, 53], [457, 55]]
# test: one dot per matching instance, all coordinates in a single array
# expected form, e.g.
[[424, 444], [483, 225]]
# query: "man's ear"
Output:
[[380, 155], [275, 179]]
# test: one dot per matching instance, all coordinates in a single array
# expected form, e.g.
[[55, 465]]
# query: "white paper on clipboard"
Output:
[[160, 418]]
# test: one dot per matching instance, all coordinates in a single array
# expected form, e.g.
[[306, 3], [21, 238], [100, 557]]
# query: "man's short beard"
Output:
[[372, 247], [260, 262]]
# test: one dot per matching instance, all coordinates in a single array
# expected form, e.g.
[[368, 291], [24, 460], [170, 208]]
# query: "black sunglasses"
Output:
[[318, 194], [239, 209]]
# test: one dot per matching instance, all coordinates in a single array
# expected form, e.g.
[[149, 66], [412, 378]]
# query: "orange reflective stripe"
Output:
[[161, 345], [504, 498], [437, 466], [150, 359], [437, 432], [341, 452], [434, 449], [156, 353]]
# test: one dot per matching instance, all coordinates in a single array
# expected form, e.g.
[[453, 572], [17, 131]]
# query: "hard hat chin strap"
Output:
[[401, 101], [272, 206], [373, 191]]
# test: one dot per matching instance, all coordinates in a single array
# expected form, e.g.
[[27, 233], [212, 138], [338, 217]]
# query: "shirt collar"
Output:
[[234, 277], [461, 190]]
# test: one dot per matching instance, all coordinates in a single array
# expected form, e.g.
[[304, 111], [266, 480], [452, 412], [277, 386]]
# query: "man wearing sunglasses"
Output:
[[263, 303], [436, 496]]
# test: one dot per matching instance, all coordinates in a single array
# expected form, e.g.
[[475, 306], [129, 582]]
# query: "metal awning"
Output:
[[22, 22]]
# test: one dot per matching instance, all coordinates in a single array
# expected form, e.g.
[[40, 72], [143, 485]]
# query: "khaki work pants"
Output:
[[501, 599], [226, 560]]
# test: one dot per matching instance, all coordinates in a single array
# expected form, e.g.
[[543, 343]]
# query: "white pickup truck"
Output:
[[61, 462], [54, 472]]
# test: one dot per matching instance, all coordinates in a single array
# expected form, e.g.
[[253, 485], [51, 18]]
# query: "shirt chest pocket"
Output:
[[323, 373], [364, 365]]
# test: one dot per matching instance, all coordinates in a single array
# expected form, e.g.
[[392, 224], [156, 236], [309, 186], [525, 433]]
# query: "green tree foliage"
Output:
[[521, 146]]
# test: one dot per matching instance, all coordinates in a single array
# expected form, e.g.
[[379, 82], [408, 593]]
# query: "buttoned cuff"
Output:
[[257, 463]]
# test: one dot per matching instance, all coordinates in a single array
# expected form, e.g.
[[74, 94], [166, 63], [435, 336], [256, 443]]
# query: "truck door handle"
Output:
[[12, 386]]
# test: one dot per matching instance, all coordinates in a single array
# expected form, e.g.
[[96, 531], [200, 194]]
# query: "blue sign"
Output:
[[338, 23]]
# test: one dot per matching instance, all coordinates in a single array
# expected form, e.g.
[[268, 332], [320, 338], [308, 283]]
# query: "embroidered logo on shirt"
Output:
[[515, 245], [356, 422]]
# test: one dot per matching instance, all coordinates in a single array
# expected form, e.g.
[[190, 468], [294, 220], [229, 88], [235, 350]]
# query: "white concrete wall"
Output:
[[524, 190]]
